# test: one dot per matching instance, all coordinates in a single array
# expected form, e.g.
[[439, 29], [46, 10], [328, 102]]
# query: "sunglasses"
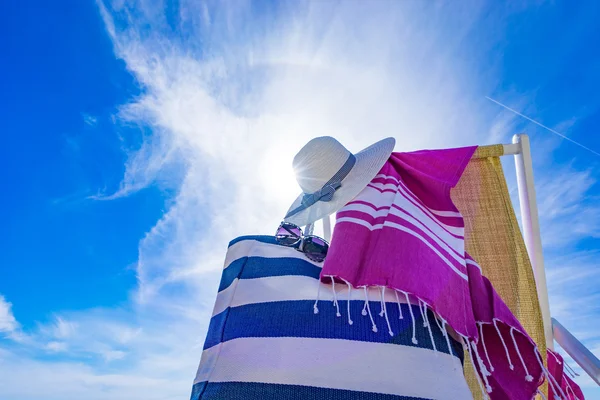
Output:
[[313, 247]]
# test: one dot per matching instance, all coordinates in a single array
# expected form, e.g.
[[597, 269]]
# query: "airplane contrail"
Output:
[[543, 126]]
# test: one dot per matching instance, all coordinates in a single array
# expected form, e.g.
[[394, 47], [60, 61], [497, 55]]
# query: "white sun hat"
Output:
[[330, 176]]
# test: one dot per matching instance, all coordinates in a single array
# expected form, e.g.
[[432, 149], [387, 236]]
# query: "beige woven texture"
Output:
[[494, 239]]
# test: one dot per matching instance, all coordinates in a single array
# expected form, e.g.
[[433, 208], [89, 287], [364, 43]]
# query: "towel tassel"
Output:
[[466, 340], [422, 314], [429, 328], [484, 372], [412, 316], [384, 311], [335, 302], [551, 382], [556, 385], [528, 377], [367, 308], [572, 391], [400, 316], [512, 367], [487, 356], [350, 322], [555, 357], [447, 335], [437, 322], [316, 305], [382, 302], [571, 370]]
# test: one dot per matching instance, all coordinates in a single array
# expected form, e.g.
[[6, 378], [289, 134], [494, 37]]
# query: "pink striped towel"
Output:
[[404, 233]]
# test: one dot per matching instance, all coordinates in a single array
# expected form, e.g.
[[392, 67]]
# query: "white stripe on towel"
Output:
[[451, 214], [452, 244], [336, 364], [373, 196], [254, 248], [407, 230]]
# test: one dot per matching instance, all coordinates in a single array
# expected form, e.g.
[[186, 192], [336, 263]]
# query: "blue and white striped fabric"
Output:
[[265, 342]]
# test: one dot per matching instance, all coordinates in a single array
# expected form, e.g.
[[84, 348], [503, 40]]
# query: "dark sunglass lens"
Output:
[[315, 248], [288, 234]]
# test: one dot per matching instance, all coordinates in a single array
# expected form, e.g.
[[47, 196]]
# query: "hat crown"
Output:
[[318, 161]]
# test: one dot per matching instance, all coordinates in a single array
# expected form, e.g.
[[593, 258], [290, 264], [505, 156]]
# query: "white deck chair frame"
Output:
[[553, 330]]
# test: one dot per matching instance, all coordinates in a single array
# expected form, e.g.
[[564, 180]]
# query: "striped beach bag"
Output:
[[267, 340]]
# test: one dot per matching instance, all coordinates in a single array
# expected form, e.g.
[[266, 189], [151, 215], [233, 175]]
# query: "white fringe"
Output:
[[414, 324], [437, 322], [572, 391], [484, 372], [422, 314], [528, 377], [382, 312], [483, 393], [487, 356], [429, 328], [555, 384], [571, 370], [373, 326], [350, 322], [551, 381], [569, 373], [385, 311], [335, 302], [483, 367], [512, 367], [400, 316], [447, 335], [555, 357], [316, 305]]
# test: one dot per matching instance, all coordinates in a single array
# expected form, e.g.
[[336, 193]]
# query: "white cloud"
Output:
[[26, 378], [89, 119], [574, 299], [565, 199], [229, 100], [56, 347], [64, 329], [8, 322], [114, 355]]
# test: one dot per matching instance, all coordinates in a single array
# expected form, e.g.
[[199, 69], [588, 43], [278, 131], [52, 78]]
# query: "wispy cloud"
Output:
[[229, 97], [566, 199], [573, 279], [56, 346], [8, 322], [27, 378], [89, 119], [63, 329]]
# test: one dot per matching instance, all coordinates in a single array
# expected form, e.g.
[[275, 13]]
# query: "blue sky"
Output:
[[139, 137]]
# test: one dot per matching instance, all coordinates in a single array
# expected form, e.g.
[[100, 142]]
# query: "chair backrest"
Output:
[[494, 239]]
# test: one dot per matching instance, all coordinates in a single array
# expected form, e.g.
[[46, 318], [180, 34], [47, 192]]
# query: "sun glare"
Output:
[[278, 177]]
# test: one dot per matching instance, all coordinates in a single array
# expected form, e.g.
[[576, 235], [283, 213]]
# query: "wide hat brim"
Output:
[[368, 163]]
